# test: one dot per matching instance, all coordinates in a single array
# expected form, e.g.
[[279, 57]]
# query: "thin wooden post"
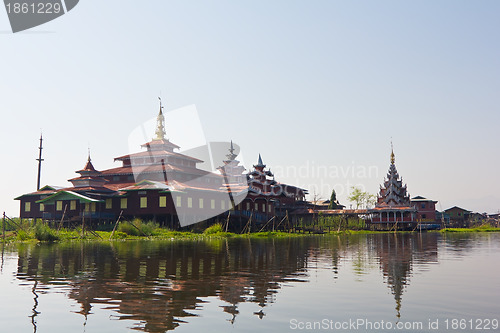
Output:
[[227, 222], [288, 220], [3, 227], [249, 222], [83, 224], [265, 225], [142, 232], [62, 218], [114, 228], [283, 219]]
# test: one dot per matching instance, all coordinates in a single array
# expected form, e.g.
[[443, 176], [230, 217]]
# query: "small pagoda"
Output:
[[393, 201], [232, 171]]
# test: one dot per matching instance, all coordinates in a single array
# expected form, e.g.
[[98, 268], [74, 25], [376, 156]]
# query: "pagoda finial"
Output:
[[88, 159], [260, 164], [393, 158], [40, 160], [160, 124], [231, 156]]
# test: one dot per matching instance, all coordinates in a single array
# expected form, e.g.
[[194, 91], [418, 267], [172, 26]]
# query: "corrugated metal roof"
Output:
[[69, 195]]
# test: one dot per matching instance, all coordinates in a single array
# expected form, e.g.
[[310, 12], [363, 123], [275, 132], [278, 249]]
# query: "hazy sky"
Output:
[[317, 87]]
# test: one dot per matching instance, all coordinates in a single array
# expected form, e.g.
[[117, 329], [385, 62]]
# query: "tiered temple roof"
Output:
[[232, 171], [89, 177], [160, 163], [393, 193], [261, 183]]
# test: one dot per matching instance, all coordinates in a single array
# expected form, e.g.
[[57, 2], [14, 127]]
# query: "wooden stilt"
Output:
[[62, 218], [3, 227], [116, 224]]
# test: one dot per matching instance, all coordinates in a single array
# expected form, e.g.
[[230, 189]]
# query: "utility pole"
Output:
[[3, 227], [39, 159]]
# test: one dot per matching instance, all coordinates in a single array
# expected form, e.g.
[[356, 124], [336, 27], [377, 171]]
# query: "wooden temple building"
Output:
[[395, 210], [161, 184]]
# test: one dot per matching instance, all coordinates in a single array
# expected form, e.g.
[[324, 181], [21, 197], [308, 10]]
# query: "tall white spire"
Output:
[[160, 124]]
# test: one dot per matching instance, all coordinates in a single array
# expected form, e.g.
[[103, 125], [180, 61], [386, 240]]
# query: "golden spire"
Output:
[[392, 154], [160, 124]]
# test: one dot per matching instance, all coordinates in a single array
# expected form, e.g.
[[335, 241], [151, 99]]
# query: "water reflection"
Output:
[[158, 285]]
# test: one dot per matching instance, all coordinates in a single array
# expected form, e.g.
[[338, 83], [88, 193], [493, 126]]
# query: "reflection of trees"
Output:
[[159, 283]]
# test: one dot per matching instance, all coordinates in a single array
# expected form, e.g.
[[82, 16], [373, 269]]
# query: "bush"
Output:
[[45, 234], [119, 235], [23, 235], [216, 228], [129, 229], [141, 229]]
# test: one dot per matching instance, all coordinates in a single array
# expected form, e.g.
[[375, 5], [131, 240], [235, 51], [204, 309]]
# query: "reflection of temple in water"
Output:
[[157, 284], [397, 254]]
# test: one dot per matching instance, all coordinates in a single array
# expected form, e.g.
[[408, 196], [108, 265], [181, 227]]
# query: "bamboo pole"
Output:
[[227, 222], [62, 218], [3, 227], [283, 219], [265, 225], [116, 224], [142, 232], [249, 222]]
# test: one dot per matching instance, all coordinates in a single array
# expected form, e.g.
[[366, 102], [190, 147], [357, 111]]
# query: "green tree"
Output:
[[361, 198], [334, 204], [370, 200]]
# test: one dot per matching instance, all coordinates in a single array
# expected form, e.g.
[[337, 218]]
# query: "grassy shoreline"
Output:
[[483, 228], [127, 231]]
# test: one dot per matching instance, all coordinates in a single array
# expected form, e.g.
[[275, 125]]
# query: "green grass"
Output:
[[44, 233], [214, 229], [138, 229], [483, 228]]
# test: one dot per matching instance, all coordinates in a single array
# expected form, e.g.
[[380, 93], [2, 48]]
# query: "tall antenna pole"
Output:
[[39, 159]]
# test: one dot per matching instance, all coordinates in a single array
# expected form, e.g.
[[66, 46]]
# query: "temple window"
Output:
[[178, 201], [163, 201], [144, 202], [93, 207], [109, 203], [59, 205], [72, 205], [123, 203], [264, 208], [190, 202], [27, 206], [222, 204], [42, 207], [201, 203], [212, 204]]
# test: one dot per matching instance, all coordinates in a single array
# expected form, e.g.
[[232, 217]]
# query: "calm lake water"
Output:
[[368, 283]]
